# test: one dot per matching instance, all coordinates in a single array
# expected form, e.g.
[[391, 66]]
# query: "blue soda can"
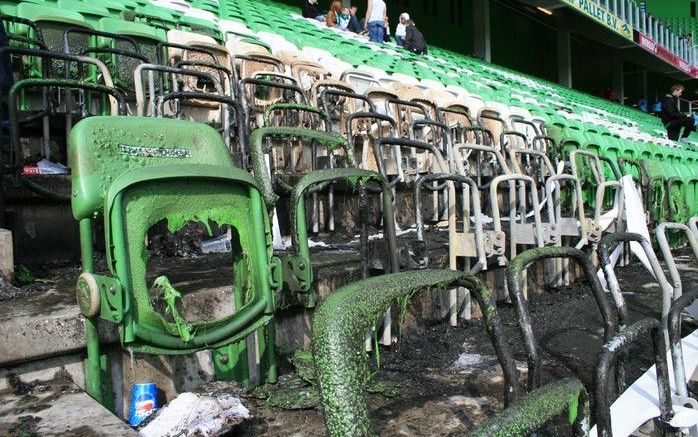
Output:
[[144, 402]]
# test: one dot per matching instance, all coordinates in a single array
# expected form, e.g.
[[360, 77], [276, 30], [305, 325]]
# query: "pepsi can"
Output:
[[144, 402]]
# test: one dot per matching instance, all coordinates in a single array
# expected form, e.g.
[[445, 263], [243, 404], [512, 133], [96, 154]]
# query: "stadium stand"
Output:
[[509, 162]]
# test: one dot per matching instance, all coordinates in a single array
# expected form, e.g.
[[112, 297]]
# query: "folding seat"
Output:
[[405, 110], [488, 168], [494, 116], [237, 44], [381, 98], [147, 37], [178, 6], [116, 7], [210, 6], [262, 81], [359, 120], [197, 86], [360, 80], [568, 134], [204, 26], [306, 73], [456, 116], [522, 121], [38, 102], [334, 66], [184, 38], [277, 42], [257, 63], [441, 96], [656, 159], [608, 365], [53, 21], [564, 222], [675, 186], [432, 86], [430, 103], [365, 128], [599, 145], [196, 51], [234, 27], [474, 104], [296, 261], [22, 32], [91, 11], [599, 192], [631, 163], [691, 161], [196, 91], [135, 174], [156, 16], [339, 102]]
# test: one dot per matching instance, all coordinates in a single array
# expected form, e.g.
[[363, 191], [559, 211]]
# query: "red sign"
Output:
[[30, 170], [664, 54]]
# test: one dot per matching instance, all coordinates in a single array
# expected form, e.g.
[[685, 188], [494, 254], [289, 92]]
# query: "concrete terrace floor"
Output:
[[436, 380], [446, 380]]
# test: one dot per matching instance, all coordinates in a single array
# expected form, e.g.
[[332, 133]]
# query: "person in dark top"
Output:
[[311, 10], [414, 40], [354, 24], [672, 118]]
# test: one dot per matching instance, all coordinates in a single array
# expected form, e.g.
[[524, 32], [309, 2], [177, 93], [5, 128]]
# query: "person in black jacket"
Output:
[[354, 24], [414, 40], [311, 10], [672, 118]]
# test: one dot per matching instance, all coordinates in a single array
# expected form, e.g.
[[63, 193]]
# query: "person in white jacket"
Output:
[[400, 29]]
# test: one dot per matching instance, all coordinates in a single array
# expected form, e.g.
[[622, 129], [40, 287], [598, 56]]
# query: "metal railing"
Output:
[[654, 28]]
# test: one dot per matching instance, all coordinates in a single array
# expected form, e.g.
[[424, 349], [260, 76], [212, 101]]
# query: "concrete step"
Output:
[[48, 334], [55, 407]]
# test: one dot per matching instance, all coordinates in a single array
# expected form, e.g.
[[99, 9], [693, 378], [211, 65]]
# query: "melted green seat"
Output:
[[133, 172]]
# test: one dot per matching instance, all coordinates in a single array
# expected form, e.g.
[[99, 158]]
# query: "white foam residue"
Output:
[[192, 414], [468, 361]]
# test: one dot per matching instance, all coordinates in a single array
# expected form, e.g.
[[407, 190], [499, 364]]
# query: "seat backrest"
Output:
[[381, 97], [146, 36], [52, 21], [307, 73], [92, 11], [104, 148], [182, 37]]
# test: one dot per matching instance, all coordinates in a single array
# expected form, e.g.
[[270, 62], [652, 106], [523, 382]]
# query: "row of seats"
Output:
[[509, 162], [563, 114], [403, 129], [257, 80], [656, 394]]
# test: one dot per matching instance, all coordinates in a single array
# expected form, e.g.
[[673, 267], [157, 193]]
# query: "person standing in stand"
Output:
[[376, 13]]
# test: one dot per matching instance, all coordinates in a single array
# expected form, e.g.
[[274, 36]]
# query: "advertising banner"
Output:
[[662, 53], [603, 16]]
